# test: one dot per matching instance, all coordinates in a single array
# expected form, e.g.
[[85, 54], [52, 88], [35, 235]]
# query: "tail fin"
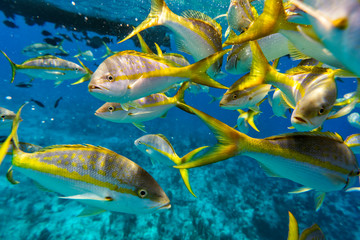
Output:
[[60, 47], [293, 228], [158, 8], [13, 66], [179, 96], [197, 72], [230, 142], [144, 47], [86, 77], [13, 136], [270, 21], [108, 51]]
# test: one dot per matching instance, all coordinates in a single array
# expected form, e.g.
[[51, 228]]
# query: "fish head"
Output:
[[105, 84], [146, 194], [6, 118], [246, 98], [313, 109], [111, 111]]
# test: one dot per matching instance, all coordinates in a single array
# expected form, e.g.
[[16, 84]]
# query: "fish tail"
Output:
[[144, 47], [60, 47], [270, 21], [185, 172], [158, 9], [230, 142], [86, 77], [251, 121], [13, 66], [293, 228], [108, 51], [197, 72], [179, 97], [12, 136]]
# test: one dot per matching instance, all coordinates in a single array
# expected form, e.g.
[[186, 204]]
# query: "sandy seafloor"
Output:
[[236, 200]]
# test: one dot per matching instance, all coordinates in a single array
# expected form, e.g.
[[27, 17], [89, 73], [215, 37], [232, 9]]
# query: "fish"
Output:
[[237, 98], [10, 24], [274, 20], [41, 49], [279, 104], [24, 85], [7, 116], [130, 75], [141, 110], [310, 90], [40, 104], [354, 119], [245, 119], [319, 161], [50, 68], [240, 57], [239, 15], [95, 176], [312, 233], [57, 102], [86, 55], [160, 150], [337, 27], [195, 33], [46, 33]]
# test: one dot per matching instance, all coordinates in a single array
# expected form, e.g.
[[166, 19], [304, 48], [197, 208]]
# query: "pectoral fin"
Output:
[[319, 199], [300, 190], [140, 126], [91, 211], [88, 196]]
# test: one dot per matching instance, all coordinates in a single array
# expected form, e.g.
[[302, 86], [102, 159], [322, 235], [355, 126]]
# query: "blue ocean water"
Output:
[[236, 200]]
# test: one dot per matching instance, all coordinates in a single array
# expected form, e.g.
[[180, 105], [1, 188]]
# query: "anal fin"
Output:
[[90, 211]]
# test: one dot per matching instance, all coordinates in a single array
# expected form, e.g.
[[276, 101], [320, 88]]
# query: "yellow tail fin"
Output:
[[293, 228], [158, 8], [230, 142], [270, 21], [13, 136], [13, 66]]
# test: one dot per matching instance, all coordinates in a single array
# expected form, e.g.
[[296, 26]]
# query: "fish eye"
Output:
[[234, 97], [76, 69], [110, 78], [142, 193], [321, 111], [3, 116], [111, 108]]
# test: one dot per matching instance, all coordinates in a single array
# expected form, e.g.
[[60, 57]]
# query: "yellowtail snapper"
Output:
[[195, 33], [40, 49], [50, 68], [141, 110], [95, 176], [318, 160], [130, 75]]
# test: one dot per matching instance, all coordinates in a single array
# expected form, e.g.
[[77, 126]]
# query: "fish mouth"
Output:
[[95, 88], [165, 206], [300, 120]]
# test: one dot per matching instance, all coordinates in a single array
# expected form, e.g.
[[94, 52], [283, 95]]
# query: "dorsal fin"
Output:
[[44, 149], [329, 135], [203, 17]]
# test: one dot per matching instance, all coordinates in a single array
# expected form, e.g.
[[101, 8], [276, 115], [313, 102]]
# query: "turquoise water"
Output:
[[236, 200]]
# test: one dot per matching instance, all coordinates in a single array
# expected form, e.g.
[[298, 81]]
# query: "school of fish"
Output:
[[324, 35]]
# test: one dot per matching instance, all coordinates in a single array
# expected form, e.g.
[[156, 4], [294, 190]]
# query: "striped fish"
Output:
[[274, 20], [141, 110], [160, 150], [319, 161], [195, 33], [310, 90], [337, 27], [95, 176], [50, 68], [130, 75]]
